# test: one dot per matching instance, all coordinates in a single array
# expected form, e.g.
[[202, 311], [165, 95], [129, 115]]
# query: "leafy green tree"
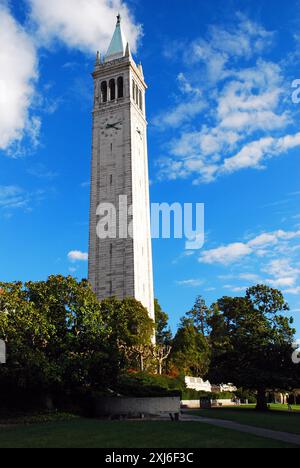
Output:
[[190, 353], [131, 331], [163, 331], [200, 315], [55, 335], [252, 342], [163, 348]]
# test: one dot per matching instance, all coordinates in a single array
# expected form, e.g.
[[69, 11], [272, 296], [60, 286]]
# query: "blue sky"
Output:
[[223, 130]]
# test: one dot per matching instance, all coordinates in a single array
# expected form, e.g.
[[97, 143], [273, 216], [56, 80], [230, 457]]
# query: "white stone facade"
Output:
[[198, 384], [121, 267]]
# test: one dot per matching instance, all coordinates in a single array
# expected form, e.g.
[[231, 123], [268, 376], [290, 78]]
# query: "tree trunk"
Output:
[[262, 404], [142, 363]]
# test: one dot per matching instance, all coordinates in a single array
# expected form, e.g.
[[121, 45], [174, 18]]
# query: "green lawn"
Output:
[[275, 420], [84, 433]]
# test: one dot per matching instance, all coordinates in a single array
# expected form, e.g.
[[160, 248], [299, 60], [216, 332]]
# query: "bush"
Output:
[[247, 395], [190, 394], [147, 385]]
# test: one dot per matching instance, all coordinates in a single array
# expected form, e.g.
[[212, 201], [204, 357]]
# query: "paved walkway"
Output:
[[258, 431]]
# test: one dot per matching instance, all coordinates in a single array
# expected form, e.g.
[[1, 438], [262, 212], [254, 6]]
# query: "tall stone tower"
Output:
[[120, 266]]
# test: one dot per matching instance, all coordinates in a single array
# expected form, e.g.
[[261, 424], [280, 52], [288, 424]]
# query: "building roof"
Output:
[[117, 48]]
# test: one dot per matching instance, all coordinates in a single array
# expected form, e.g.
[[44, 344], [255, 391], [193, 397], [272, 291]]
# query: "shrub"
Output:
[[147, 385], [190, 394]]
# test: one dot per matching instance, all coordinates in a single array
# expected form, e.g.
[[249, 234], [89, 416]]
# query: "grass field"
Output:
[[278, 419], [84, 433]]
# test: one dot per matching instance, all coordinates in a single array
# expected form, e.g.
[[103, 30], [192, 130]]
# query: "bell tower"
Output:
[[120, 265]]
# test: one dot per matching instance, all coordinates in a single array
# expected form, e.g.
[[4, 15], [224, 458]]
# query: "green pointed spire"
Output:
[[118, 43]]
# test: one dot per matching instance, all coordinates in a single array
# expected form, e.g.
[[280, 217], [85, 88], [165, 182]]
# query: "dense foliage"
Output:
[[252, 340], [61, 340]]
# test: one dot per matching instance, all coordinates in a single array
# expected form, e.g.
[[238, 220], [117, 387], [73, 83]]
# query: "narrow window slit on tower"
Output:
[[104, 91], [120, 87], [112, 89], [137, 95]]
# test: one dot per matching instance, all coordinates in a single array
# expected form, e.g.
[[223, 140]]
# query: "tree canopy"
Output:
[[251, 342], [59, 337]]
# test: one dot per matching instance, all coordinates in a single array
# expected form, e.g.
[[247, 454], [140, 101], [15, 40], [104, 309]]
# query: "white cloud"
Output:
[[18, 65], [235, 289], [226, 254], [293, 291], [77, 256], [192, 105], [86, 25], [249, 116], [257, 152], [251, 277], [243, 39], [191, 283], [12, 197], [273, 258], [284, 274], [259, 246]]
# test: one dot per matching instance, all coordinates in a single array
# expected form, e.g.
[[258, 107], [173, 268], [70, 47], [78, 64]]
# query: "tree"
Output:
[[131, 331], [163, 348], [190, 353], [163, 331], [56, 338], [252, 342], [26, 333], [161, 354], [200, 315]]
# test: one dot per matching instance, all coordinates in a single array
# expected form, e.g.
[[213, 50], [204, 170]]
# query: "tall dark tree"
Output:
[[252, 342], [163, 331], [191, 352], [131, 331], [200, 315]]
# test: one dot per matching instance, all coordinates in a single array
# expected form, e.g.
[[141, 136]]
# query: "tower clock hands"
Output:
[[114, 125]]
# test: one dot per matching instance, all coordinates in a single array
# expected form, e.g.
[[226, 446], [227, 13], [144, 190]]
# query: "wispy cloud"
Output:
[[258, 245], [191, 283], [247, 118], [77, 256], [86, 26], [17, 83], [14, 197], [42, 172], [271, 258]]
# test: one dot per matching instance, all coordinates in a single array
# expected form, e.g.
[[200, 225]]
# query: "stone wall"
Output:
[[136, 406]]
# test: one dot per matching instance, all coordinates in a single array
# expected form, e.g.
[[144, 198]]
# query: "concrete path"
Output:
[[258, 431]]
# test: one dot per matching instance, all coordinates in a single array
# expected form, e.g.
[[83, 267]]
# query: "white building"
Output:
[[120, 266], [195, 383], [198, 384]]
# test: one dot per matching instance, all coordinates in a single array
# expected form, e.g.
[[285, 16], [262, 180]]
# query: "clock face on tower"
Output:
[[112, 124], [115, 125]]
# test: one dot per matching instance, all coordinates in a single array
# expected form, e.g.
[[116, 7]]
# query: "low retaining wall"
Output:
[[190, 404], [195, 404], [137, 406]]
